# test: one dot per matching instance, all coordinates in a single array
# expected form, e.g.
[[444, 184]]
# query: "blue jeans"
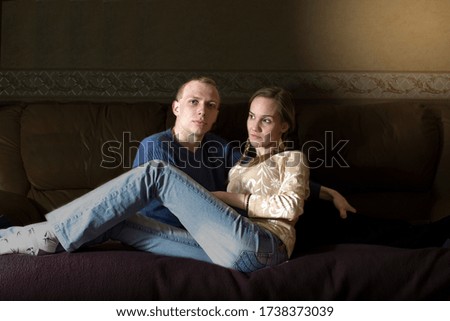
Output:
[[215, 232]]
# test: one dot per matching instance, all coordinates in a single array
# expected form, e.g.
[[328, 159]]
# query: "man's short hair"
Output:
[[202, 79]]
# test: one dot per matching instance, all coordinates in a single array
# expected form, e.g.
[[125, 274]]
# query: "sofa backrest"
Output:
[[384, 156], [54, 152], [390, 159]]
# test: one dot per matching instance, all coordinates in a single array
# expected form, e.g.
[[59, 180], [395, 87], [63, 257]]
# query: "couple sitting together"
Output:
[[191, 195]]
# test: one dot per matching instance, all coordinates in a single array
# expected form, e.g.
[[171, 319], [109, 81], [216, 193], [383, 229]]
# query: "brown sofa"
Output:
[[390, 159]]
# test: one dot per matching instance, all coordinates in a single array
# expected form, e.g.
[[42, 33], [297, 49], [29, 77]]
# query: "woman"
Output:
[[270, 186]]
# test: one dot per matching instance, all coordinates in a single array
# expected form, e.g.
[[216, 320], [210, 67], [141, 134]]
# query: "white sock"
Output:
[[34, 239]]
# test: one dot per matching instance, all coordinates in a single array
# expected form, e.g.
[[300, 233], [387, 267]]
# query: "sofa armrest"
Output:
[[18, 209]]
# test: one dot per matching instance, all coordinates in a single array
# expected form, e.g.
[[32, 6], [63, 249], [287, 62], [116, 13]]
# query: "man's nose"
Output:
[[201, 109]]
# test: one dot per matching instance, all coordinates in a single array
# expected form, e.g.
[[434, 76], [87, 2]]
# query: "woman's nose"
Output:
[[255, 127]]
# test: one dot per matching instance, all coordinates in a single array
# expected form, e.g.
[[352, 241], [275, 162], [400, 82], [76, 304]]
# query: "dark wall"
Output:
[[149, 35], [143, 49], [298, 35]]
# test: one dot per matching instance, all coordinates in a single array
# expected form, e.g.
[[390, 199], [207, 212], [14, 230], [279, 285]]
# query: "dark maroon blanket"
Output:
[[340, 272]]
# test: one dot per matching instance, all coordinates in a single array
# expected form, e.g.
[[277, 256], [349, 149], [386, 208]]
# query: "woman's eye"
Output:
[[267, 120]]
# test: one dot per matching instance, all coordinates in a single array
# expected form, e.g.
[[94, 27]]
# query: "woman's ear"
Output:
[[284, 127]]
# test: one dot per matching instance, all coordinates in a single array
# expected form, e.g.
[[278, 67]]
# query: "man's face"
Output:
[[196, 110]]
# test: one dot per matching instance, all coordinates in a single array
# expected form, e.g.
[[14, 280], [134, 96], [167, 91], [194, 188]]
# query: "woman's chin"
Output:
[[256, 144]]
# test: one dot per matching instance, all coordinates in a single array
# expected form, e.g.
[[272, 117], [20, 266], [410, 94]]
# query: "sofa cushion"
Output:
[[388, 147], [341, 272], [17, 209], [12, 174], [69, 148], [382, 156]]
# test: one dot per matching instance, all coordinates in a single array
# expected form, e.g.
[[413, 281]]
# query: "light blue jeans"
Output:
[[215, 232]]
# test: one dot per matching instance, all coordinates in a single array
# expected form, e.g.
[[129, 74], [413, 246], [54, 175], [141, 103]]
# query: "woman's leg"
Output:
[[147, 234], [227, 238], [85, 220], [88, 218], [33, 239]]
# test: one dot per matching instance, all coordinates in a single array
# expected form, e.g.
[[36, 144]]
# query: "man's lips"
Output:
[[199, 122]]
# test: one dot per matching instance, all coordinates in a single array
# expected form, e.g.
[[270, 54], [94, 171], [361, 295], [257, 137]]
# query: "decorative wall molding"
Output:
[[161, 85]]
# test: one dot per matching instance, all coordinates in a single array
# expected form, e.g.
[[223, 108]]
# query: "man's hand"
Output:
[[338, 200]]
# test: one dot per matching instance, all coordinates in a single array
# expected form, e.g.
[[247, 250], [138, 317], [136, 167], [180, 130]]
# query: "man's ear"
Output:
[[175, 107]]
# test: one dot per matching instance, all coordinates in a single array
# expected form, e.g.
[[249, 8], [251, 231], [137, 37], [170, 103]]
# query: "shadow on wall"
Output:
[[193, 35]]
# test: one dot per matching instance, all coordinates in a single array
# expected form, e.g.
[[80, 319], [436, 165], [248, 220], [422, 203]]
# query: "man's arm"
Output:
[[338, 200]]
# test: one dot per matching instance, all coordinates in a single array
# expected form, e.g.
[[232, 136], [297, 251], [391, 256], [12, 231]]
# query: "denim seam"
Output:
[[161, 234]]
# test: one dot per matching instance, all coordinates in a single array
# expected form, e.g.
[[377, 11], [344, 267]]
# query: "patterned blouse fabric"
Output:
[[279, 188]]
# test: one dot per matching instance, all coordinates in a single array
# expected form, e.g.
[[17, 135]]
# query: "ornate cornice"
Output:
[[161, 85]]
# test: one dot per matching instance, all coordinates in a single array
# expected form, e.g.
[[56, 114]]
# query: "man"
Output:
[[202, 155]]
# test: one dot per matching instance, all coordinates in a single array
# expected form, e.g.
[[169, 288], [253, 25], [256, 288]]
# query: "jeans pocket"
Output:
[[250, 261]]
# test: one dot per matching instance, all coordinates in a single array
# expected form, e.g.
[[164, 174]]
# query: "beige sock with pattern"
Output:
[[34, 239]]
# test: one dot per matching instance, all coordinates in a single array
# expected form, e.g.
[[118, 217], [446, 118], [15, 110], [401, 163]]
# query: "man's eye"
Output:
[[193, 102]]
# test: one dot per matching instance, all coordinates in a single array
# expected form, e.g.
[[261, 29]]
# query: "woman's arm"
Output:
[[282, 188]]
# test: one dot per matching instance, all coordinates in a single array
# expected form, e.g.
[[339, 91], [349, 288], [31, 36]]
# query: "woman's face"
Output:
[[264, 124]]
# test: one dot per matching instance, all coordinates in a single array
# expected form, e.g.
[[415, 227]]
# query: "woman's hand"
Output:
[[338, 200], [233, 199]]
